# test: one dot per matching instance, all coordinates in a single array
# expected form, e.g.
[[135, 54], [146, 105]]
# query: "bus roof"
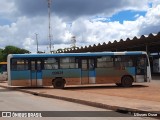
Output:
[[87, 54]]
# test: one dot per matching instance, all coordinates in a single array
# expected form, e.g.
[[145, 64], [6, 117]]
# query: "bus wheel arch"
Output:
[[58, 83], [127, 80]]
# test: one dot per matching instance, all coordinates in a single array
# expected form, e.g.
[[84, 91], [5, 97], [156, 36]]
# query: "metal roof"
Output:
[[150, 43]]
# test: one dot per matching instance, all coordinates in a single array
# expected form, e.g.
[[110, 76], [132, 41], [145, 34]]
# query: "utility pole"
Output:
[[49, 26], [37, 41]]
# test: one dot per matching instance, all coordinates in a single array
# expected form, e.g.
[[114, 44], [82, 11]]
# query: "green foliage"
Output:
[[1, 55], [11, 50]]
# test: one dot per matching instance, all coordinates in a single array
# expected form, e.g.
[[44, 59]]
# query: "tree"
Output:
[[1, 54], [11, 50]]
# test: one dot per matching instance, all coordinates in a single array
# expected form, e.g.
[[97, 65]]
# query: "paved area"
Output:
[[140, 97], [141, 91]]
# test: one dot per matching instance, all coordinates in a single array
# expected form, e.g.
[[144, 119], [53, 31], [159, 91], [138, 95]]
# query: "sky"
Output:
[[90, 21]]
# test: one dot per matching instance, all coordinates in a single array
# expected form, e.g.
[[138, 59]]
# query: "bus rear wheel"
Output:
[[58, 83], [127, 81]]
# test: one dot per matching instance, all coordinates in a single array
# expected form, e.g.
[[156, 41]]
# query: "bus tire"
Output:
[[126, 81], [58, 83]]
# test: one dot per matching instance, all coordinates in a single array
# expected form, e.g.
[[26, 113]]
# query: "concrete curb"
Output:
[[125, 110]]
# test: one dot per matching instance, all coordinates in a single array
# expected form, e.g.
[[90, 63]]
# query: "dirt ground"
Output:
[[144, 91]]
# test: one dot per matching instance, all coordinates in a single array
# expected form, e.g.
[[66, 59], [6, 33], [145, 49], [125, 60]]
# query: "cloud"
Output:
[[74, 9], [18, 32], [88, 20], [89, 33], [21, 33], [6, 7], [7, 12], [151, 22], [94, 32]]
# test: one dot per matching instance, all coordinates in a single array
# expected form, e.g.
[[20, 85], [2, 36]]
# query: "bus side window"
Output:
[[105, 62], [68, 62], [19, 64], [91, 64], [13, 64], [123, 61], [141, 64], [84, 64], [127, 61], [117, 61], [51, 63], [39, 65]]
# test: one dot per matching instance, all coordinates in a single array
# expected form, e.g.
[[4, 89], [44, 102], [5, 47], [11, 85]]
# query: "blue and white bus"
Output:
[[121, 68]]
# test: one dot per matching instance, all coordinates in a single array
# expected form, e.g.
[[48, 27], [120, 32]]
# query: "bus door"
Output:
[[36, 73], [141, 69], [88, 71]]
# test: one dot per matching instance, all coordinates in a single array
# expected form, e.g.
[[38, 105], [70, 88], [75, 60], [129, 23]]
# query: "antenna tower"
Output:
[[73, 40], [49, 25]]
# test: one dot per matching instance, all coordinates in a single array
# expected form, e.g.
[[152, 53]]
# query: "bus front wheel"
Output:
[[126, 81], [58, 83]]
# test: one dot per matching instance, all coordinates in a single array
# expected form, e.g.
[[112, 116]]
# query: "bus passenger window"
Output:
[[38, 65], [51, 63], [141, 65], [105, 62], [68, 62], [91, 64], [19, 64], [123, 61], [84, 65], [130, 63], [33, 65]]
